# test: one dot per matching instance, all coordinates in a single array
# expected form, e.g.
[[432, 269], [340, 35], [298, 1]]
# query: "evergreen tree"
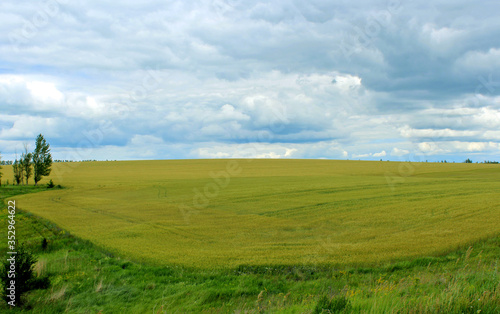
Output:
[[25, 279]]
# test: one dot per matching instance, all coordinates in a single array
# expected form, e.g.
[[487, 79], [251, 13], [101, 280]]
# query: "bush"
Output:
[[23, 276], [51, 184], [338, 304]]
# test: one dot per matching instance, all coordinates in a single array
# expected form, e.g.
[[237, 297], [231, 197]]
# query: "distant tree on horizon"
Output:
[[468, 161], [42, 159]]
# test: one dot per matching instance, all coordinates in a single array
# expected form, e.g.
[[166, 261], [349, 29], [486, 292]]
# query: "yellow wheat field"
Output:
[[223, 213]]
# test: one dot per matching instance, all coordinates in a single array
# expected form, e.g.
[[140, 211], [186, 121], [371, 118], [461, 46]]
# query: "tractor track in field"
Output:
[[177, 230]]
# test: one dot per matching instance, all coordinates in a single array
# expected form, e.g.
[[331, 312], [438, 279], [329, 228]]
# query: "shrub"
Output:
[[51, 184], [24, 277]]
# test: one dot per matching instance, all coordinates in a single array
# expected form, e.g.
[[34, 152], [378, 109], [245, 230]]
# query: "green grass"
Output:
[[88, 279], [7, 191], [284, 212]]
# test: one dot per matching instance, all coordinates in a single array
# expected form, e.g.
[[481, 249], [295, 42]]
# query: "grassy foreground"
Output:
[[226, 213], [87, 279]]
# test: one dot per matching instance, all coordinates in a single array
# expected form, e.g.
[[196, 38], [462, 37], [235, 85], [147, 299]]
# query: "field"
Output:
[[268, 236], [226, 213]]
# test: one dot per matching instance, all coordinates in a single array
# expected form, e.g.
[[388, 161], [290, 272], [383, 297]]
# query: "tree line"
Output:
[[36, 164]]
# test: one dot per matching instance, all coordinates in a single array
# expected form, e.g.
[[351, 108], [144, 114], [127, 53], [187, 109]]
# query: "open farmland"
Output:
[[269, 212]]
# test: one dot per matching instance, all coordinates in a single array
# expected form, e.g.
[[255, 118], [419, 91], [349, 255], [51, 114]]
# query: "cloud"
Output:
[[430, 133], [146, 140], [431, 148], [370, 155], [289, 152], [399, 152], [212, 78], [441, 39], [30, 126], [251, 150], [44, 91], [361, 155], [480, 60]]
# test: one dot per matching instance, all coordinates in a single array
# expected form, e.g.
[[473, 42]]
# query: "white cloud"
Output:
[[44, 91], [374, 155], [289, 152], [268, 155], [480, 60], [409, 133], [361, 155], [229, 113], [347, 81], [146, 140], [441, 39], [476, 147], [433, 148], [399, 152], [492, 135], [269, 150], [381, 154], [28, 93], [487, 117], [250, 150], [30, 127]]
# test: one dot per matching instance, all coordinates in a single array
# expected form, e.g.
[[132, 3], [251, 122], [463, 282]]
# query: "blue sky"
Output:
[[396, 80]]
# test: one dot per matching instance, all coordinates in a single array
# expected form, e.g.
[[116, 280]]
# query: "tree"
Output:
[[1, 174], [17, 168], [24, 276], [42, 159], [26, 163]]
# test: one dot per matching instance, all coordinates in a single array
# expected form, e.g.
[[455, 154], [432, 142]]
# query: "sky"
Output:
[[393, 80]]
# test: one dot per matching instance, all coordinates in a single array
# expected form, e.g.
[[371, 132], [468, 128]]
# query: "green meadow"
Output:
[[254, 236]]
